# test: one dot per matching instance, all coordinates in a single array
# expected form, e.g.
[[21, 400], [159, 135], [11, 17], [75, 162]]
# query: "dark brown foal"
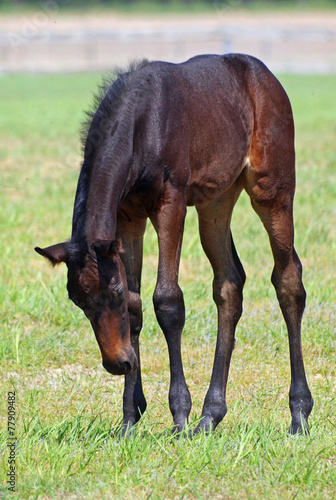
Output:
[[164, 136]]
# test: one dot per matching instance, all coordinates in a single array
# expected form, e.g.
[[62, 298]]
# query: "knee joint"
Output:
[[165, 296], [135, 312], [169, 306]]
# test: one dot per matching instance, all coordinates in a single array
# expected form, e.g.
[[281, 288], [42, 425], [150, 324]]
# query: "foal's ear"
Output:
[[116, 247], [55, 253]]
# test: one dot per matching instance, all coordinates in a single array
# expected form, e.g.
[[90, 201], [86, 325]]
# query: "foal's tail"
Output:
[[271, 168]]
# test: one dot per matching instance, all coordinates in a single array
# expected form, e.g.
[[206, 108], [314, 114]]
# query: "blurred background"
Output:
[[72, 35]]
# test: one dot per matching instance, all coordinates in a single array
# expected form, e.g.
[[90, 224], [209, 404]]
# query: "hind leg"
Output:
[[287, 280], [229, 278], [270, 183]]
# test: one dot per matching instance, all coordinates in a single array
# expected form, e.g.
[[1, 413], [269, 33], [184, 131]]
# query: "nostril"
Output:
[[119, 367], [125, 367]]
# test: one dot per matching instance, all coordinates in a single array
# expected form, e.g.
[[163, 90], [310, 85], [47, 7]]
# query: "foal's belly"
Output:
[[218, 152], [209, 181], [201, 191]]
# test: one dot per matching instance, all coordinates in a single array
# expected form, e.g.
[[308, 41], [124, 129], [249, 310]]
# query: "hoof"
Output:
[[126, 431], [299, 428], [205, 426], [181, 431]]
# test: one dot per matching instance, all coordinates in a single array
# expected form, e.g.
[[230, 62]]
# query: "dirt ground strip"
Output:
[[56, 22], [53, 41]]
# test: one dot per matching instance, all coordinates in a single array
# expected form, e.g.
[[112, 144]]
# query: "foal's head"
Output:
[[97, 284]]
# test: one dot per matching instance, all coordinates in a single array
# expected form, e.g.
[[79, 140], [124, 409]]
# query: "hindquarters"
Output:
[[269, 176], [269, 179]]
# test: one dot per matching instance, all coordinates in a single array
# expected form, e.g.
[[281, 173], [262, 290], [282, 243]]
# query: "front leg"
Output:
[[134, 402], [131, 230], [168, 300]]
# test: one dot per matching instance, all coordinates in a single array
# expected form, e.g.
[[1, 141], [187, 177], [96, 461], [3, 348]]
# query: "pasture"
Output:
[[68, 408]]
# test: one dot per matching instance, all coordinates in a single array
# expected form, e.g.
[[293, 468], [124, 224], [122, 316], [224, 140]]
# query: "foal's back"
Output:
[[205, 112]]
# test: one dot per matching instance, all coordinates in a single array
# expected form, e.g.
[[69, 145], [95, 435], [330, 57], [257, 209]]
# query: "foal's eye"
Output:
[[118, 289]]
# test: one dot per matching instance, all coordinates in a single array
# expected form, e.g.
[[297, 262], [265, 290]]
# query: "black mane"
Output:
[[109, 96], [105, 105]]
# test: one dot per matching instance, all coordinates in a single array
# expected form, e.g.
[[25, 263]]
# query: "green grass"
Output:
[[69, 408], [148, 7]]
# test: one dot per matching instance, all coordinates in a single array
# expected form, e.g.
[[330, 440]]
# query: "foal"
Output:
[[164, 136]]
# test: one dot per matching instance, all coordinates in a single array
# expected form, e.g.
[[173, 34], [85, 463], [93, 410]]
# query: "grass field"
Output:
[[68, 408], [149, 7]]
